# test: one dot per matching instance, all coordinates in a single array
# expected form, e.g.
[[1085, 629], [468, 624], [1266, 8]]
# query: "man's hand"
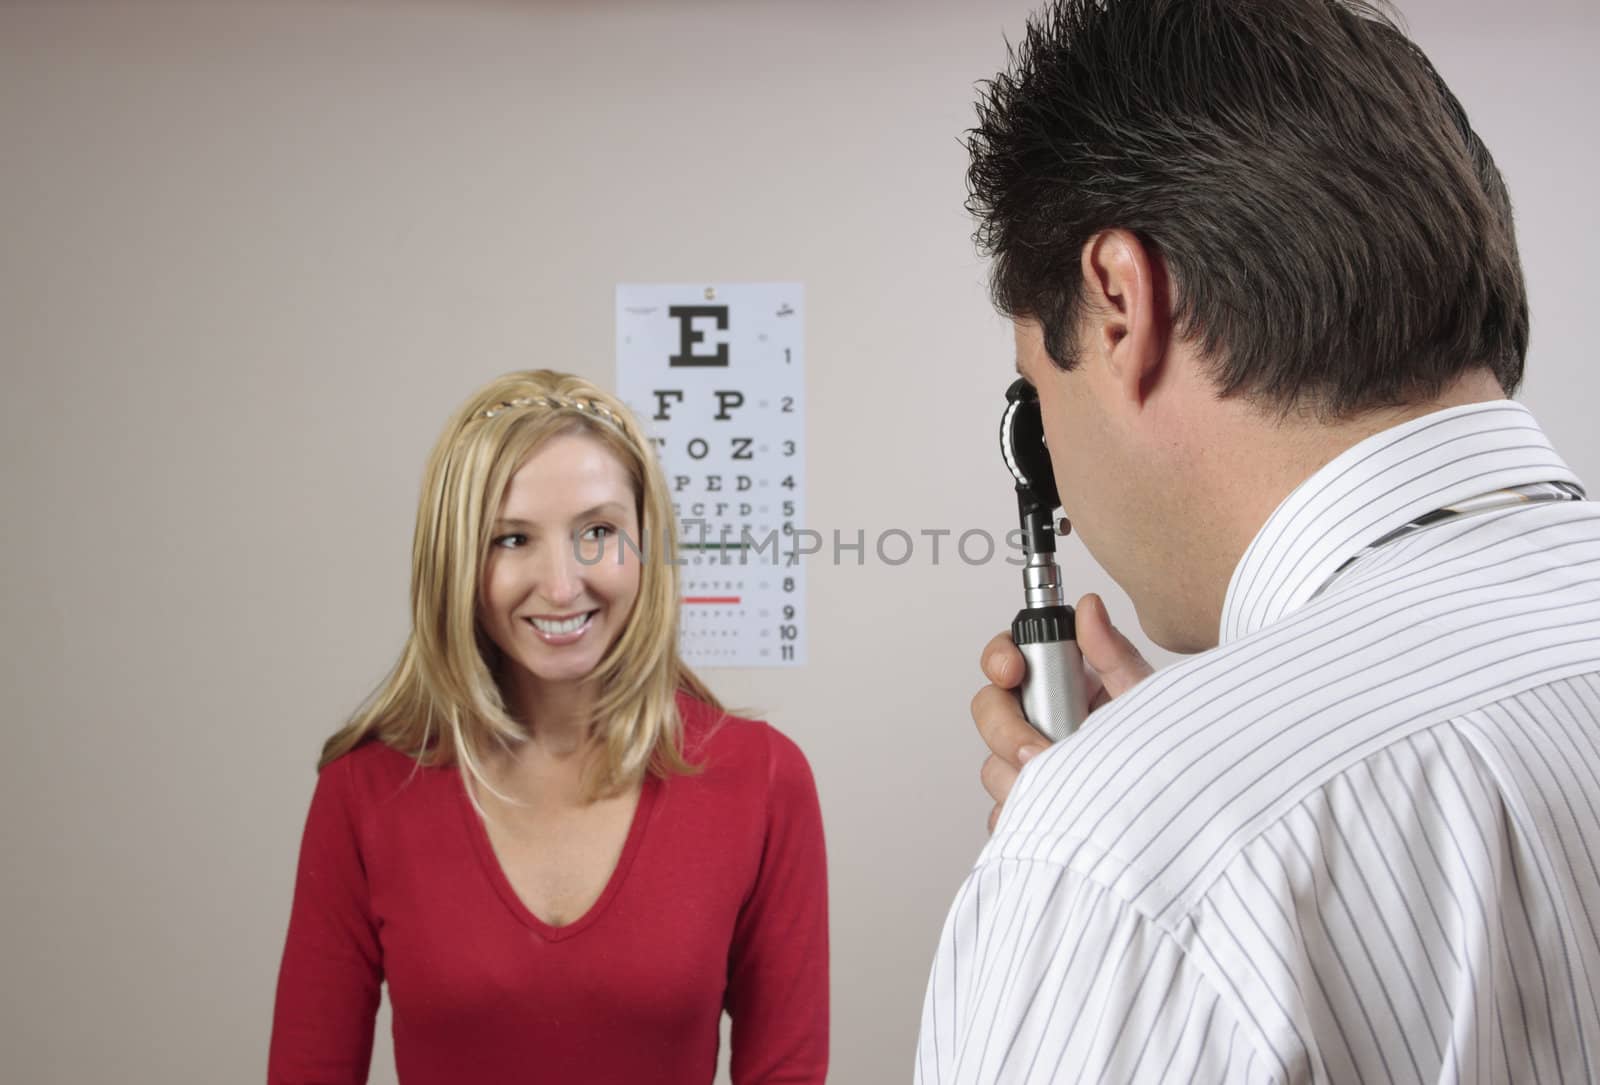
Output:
[[1112, 665]]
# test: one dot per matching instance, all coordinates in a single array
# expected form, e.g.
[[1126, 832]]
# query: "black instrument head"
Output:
[[1022, 444]]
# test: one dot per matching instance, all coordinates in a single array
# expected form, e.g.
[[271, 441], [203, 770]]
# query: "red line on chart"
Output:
[[718, 600]]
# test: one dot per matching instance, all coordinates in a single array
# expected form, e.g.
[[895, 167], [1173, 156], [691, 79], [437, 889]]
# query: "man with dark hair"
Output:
[[1265, 282]]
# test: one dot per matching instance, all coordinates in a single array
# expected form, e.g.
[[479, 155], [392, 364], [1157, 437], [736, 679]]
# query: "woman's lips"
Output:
[[562, 631]]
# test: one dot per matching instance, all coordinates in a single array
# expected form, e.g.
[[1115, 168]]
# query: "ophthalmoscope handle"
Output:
[[1054, 689]]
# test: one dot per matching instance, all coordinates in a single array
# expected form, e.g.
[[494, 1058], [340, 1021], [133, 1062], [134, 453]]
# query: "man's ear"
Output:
[[1128, 314]]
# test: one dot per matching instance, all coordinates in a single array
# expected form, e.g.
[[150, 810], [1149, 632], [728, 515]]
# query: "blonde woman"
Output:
[[543, 832]]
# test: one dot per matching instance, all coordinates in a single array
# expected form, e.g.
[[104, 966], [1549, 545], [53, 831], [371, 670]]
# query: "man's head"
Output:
[[1278, 200]]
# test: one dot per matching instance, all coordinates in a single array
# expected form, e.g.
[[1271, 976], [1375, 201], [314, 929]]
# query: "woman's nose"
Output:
[[560, 576]]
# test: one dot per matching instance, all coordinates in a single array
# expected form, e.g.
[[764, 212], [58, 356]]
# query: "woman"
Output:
[[543, 831]]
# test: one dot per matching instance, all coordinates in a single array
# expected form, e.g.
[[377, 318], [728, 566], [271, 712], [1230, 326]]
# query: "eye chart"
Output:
[[716, 374]]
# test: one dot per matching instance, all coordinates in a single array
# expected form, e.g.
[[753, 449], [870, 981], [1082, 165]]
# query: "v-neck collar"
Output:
[[479, 834]]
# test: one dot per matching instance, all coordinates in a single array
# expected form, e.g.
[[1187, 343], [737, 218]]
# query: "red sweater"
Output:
[[719, 902]]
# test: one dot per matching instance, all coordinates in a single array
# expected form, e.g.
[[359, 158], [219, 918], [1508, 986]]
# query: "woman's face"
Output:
[[558, 583]]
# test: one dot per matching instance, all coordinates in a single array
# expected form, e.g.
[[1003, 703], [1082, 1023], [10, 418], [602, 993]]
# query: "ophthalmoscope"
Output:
[[1045, 630]]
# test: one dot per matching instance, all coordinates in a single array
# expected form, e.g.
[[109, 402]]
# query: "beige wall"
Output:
[[250, 256]]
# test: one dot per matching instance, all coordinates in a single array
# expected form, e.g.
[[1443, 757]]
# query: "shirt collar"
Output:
[[1383, 483]]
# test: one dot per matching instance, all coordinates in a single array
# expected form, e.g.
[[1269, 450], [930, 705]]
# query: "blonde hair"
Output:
[[442, 703]]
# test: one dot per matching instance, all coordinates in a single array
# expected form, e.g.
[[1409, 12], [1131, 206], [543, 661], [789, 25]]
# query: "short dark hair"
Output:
[[1338, 236]]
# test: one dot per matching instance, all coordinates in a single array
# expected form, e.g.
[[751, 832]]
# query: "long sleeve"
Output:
[[329, 983], [1043, 976], [778, 968]]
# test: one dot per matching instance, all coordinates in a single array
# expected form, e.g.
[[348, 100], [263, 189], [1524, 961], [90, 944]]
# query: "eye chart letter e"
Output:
[[717, 375]]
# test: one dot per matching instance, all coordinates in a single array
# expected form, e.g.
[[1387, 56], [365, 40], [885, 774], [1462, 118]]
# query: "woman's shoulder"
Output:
[[714, 737], [708, 729], [373, 757], [374, 772]]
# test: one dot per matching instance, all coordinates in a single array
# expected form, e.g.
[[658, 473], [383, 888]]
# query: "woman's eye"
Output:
[[509, 542], [598, 532]]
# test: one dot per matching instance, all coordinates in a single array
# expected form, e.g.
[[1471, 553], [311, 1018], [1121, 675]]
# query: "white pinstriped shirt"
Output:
[[1359, 841]]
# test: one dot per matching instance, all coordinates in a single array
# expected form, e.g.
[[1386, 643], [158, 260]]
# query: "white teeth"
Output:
[[571, 625]]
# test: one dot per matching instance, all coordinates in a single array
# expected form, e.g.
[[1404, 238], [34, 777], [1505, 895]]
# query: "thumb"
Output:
[[1111, 654]]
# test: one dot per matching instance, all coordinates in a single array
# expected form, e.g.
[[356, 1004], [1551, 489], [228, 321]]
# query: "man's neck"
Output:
[[1266, 457]]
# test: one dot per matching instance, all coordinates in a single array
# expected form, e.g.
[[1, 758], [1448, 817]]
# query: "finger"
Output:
[[1113, 655], [1094, 690], [1002, 662], [997, 775], [1003, 727]]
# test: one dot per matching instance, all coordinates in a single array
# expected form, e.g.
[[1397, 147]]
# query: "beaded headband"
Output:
[[582, 406]]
